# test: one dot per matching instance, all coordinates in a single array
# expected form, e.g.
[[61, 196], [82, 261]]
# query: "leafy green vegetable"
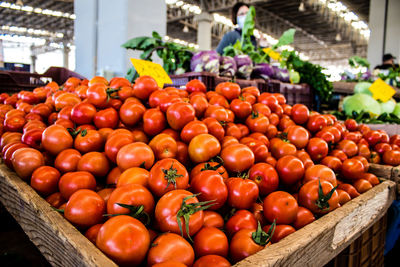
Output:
[[286, 39], [176, 58], [366, 117], [361, 102], [356, 61], [248, 27]]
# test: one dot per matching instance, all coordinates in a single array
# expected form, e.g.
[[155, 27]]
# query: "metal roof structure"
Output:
[[323, 33]]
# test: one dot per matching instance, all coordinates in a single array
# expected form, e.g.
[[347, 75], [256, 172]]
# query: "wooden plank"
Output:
[[387, 172], [59, 242], [317, 243]]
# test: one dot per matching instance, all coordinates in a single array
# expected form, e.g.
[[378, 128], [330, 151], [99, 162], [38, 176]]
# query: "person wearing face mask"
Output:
[[239, 11]]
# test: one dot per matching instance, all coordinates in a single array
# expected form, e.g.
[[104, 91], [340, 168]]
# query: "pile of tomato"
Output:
[[169, 177]]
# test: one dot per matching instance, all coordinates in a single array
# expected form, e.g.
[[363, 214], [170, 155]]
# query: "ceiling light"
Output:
[[302, 7], [19, 5], [338, 37], [185, 29]]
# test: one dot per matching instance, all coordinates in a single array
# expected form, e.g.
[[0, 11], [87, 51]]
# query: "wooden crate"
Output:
[[319, 242], [59, 242], [387, 172], [315, 244]]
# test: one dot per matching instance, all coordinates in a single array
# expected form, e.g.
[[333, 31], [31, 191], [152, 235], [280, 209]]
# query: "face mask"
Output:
[[240, 21]]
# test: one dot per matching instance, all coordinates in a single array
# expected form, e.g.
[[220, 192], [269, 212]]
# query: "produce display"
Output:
[[168, 177]]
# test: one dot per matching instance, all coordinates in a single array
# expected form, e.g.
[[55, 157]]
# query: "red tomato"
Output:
[[179, 201], [258, 148], [167, 175], [228, 89], [310, 198], [71, 182], [115, 142], [87, 141], [213, 219], [144, 86], [56, 138], [352, 169], [351, 125], [133, 175], [391, 157], [281, 231], [92, 232], [210, 184], [317, 148], [25, 161], [344, 197], [281, 148], [210, 241], [265, 176], [196, 85], [153, 121], [193, 129], [200, 104], [349, 189], [333, 163], [67, 160], [163, 146], [320, 172], [203, 147], [45, 180], [371, 178], [85, 208], [241, 108], [179, 114], [211, 260], [339, 154], [257, 122], [242, 193], [281, 207], [115, 240], [305, 158], [298, 136], [106, 118], [316, 123], [290, 169], [237, 157], [94, 162], [303, 217], [135, 155], [55, 200], [362, 185], [170, 247], [241, 219]]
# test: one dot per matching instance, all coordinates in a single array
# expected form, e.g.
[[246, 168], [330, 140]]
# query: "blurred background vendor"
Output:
[[239, 11], [387, 62]]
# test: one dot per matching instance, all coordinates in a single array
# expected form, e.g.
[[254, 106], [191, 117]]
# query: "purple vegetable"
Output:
[[283, 75], [264, 70], [244, 65], [366, 75], [205, 61], [227, 66]]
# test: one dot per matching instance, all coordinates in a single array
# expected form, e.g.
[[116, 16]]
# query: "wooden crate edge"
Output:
[[60, 242], [317, 243]]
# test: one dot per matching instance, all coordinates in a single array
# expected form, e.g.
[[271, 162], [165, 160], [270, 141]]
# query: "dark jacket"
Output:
[[387, 66], [230, 38]]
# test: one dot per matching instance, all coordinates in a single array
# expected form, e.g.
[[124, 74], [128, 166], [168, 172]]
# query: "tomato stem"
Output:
[[187, 210], [170, 175], [262, 238], [59, 210], [136, 212], [254, 114], [322, 201]]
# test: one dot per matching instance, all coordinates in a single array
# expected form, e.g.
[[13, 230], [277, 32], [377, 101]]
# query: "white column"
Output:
[[377, 46], [204, 21], [98, 45], [66, 51]]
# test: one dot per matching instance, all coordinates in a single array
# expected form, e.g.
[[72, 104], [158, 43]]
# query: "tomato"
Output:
[[196, 85], [115, 142], [310, 198], [262, 109], [14, 123], [214, 128], [211, 260], [281, 207], [372, 137], [92, 232], [320, 172], [193, 129], [298, 136], [210, 241], [305, 158], [349, 147], [211, 165], [351, 125], [98, 95], [118, 82], [135, 155], [257, 122], [67, 160], [241, 108], [25, 161], [213, 219], [362, 185], [179, 114], [371, 178], [45, 180], [106, 118], [364, 161], [55, 200], [210, 184], [182, 153], [219, 100], [258, 148], [87, 141], [182, 202], [83, 113], [200, 105], [281, 231], [391, 157], [167, 175], [344, 197], [243, 244], [174, 134], [265, 177], [134, 175], [280, 148], [317, 148], [163, 146], [131, 194], [290, 169], [260, 137], [94, 162], [231, 129], [303, 217], [217, 112], [237, 157], [85, 208], [351, 190], [56, 138], [131, 113], [332, 162], [116, 236], [170, 247], [9, 150], [33, 138], [242, 193], [153, 121], [113, 176], [203, 147], [352, 136], [382, 147], [105, 194], [241, 219], [285, 123], [228, 89], [339, 154], [66, 99], [316, 123], [170, 263], [144, 86], [352, 169], [71, 182]]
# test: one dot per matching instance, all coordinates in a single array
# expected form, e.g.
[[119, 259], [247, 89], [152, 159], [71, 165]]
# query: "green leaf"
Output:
[[156, 35], [134, 43], [286, 38], [249, 25]]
